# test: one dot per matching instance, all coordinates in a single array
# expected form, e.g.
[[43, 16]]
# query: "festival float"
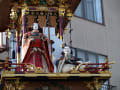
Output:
[[30, 26]]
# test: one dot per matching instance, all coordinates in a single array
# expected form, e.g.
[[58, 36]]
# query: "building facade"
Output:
[[101, 37]]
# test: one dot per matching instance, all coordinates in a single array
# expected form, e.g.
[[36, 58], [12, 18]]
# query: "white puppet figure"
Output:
[[63, 66], [35, 49], [67, 64]]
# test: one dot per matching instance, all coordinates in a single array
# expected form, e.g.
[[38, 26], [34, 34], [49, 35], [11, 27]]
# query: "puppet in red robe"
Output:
[[35, 50]]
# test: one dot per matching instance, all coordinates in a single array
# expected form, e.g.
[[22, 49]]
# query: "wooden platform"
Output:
[[11, 74], [54, 81]]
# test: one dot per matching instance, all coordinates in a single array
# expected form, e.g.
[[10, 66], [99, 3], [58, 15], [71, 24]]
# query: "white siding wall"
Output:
[[104, 39]]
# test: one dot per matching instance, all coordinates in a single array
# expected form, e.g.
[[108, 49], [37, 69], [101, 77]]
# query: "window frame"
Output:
[[103, 17], [89, 52]]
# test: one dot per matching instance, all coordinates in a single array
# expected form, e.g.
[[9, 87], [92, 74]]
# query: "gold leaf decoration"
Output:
[[35, 2], [50, 2]]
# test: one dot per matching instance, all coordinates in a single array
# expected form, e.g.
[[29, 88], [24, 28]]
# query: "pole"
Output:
[[49, 43], [17, 47], [24, 23], [61, 27], [70, 35]]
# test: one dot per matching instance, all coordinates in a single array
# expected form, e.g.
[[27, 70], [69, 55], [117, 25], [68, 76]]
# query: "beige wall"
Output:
[[104, 39]]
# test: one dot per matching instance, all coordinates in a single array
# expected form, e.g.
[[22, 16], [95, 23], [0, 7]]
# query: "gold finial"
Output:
[[112, 62], [61, 10], [69, 14], [25, 10]]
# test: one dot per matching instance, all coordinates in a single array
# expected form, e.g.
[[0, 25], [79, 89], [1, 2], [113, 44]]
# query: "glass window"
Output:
[[89, 56], [92, 58], [73, 52], [91, 10], [81, 55], [101, 59]]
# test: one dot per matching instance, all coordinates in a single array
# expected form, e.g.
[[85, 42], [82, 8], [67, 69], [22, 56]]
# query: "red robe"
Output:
[[36, 57]]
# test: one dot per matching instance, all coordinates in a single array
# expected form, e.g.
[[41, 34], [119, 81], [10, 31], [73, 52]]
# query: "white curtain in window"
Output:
[[98, 11], [91, 10]]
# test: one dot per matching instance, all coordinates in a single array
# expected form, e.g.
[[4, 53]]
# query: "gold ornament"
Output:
[[13, 14], [69, 14], [50, 2], [41, 13], [35, 2], [62, 1], [25, 11], [61, 10], [97, 84]]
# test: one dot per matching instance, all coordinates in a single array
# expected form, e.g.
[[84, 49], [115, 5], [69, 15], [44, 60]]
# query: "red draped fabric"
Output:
[[36, 57]]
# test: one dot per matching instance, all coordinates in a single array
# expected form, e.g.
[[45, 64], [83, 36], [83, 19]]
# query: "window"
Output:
[[91, 10], [81, 55], [92, 58], [101, 59], [85, 55], [73, 52]]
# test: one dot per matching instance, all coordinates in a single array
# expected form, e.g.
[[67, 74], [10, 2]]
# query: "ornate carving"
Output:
[[69, 14], [50, 2], [9, 85], [32, 67], [35, 2], [13, 14], [90, 85], [97, 84], [19, 85], [62, 1], [61, 10], [25, 10]]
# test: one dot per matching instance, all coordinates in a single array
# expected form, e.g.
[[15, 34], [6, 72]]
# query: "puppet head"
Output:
[[35, 31], [35, 26], [67, 52]]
